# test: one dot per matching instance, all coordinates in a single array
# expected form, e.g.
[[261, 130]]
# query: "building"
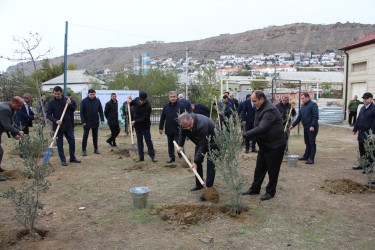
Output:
[[76, 80], [359, 67]]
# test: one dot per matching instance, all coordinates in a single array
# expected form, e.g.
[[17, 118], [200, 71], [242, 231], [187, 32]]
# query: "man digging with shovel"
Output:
[[198, 128]]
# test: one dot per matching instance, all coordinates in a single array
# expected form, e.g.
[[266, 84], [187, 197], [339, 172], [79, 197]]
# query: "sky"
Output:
[[101, 24]]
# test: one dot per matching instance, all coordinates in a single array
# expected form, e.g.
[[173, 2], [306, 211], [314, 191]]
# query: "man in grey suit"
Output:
[[7, 110]]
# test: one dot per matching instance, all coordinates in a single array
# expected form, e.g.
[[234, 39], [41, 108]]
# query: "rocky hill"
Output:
[[297, 37]]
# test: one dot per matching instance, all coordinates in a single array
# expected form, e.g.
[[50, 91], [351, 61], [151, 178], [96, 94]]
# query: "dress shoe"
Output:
[[2, 179], [2, 170], [109, 142], [96, 151], [254, 151], [246, 151], [302, 159], [196, 188], [309, 161], [266, 197], [75, 160], [64, 164], [357, 167], [170, 160], [250, 192], [114, 145], [202, 198], [84, 153], [153, 159], [140, 159]]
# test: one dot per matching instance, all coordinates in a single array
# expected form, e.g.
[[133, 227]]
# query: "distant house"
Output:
[[77, 80], [359, 67]]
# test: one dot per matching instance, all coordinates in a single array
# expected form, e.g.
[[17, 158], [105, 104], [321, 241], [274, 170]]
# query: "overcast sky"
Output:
[[100, 24]]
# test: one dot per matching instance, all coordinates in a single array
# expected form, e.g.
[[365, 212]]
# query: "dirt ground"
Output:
[[316, 206]]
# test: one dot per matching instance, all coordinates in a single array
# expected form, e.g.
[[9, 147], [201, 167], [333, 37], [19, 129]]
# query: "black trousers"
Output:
[[268, 162], [171, 138], [86, 132], [150, 146], [115, 130], [210, 171], [1, 150], [310, 141], [352, 116]]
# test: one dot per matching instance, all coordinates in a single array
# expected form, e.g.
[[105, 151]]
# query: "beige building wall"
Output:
[[361, 77]]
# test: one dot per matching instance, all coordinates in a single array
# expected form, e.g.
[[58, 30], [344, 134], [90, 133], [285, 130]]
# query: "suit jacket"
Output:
[[169, 115], [248, 114], [90, 110], [22, 118], [365, 122], [6, 119]]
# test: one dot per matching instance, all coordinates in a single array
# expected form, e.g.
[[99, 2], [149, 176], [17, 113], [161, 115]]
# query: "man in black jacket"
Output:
[[226, 110], [269, 133], [169, 116], [365, 122], [54, 112], [284, 108], [185, 102], [142, 123], [25, 115], [200, 108], [309, 115], [198, 128], [7, 110], [90, 110], [111, 113]]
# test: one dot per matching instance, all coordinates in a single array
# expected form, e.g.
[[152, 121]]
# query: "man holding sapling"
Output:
[[198, 128], [269, 133], [285, 108], [365, 122], [309, 115], [7, 110]]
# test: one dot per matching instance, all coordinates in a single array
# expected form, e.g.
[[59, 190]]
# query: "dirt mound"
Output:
[[137, 166], [192, 214], [343, 186], [122, 152], [12, 175], [211, 194]]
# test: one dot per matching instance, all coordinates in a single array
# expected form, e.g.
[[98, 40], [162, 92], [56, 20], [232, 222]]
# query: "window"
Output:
[[361, 66]]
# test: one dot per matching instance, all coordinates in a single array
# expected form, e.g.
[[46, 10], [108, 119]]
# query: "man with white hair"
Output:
[[185, 103]]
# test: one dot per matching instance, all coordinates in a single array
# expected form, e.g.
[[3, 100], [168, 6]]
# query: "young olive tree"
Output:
[[27, 198], [226, 159], [367, 161]]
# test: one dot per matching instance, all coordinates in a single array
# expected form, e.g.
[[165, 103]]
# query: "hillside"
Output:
[[298, 37]]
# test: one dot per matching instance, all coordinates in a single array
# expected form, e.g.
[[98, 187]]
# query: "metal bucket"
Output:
[[140, 196], [292, 160]]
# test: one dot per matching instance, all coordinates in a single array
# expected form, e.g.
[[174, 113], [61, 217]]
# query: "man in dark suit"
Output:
[[7, 110], [365, 122], [247, 118], [200, 108], [185, 102], [25, 115], [111, 113], [55, 110], [90, 109], [226, 110], [269, 132], [142, 124], [169, 116], [309, 115]]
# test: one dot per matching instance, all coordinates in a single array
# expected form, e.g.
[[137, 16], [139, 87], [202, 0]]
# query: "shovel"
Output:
[[287, 121], [218, 112], [132, 149], [49, 153], [210, 193]]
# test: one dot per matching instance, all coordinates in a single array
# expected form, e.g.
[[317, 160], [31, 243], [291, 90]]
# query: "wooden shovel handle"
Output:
[[287, 121], [218, 112], [189, 163], [130, 124], [58, 127]]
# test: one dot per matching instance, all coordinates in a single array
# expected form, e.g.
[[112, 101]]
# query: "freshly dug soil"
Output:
[[170, 166], [12, 175], [122, 152], [211, 194], [343, 186]]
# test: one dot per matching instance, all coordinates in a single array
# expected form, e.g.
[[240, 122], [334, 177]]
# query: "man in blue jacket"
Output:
[[185, 102], [200, 108], [54, 112], [309, 115], [169, 116], [365, 122], [90, 110], [25, 115], [248, 114]]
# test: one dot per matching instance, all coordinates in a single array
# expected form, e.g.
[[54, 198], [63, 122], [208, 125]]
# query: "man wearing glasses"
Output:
[[198, 128], [365, 122]]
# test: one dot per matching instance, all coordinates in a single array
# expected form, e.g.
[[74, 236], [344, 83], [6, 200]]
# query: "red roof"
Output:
[[361, 42]]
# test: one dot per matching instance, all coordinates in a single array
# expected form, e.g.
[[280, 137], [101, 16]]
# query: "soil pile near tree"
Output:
[[12, 175], [343, 186]]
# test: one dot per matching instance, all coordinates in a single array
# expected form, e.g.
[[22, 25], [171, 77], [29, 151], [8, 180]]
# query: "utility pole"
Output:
[[187, 74], [65, 56]]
